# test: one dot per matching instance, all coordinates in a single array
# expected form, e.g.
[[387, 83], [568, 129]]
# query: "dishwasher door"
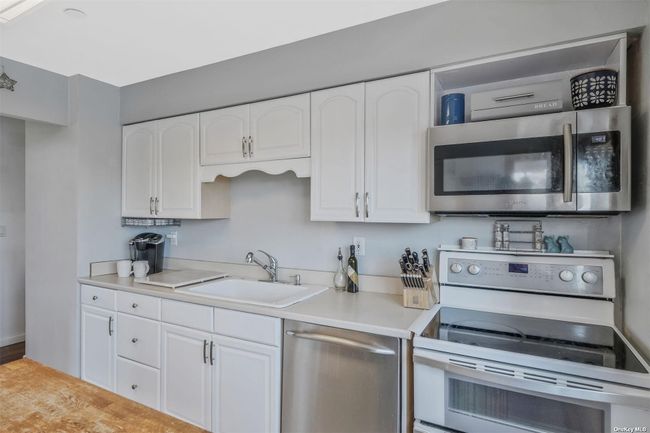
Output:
[[339, 381]]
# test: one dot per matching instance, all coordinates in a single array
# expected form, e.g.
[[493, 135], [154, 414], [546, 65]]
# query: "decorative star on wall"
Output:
[[6, 82]]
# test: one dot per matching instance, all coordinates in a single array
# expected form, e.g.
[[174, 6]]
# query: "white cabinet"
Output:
[[138, 169], [246, 387], [187, 375], [263, 131], [98, 346], [397, 118], [337, 159], [369, 151], [160, 172]]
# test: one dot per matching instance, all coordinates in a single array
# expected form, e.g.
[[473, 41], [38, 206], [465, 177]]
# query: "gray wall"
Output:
[[12, 218], [73, 216], [441, 34], [636, 225], [39, 94]]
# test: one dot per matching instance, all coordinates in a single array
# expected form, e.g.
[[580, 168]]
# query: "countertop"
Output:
[[375, 313], [36, 398]]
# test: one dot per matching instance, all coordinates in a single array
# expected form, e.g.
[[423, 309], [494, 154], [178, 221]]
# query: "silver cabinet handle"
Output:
[[568, 163], [134, 305], [511, 97], [134, 340], [379, 350], [150, 205], [243, 147], [211, 353], [110, 325], [356, 204], [134, 387], [250, 146], [205, 351], [156, 201], [95, 298], [367, 199], [499, 380]]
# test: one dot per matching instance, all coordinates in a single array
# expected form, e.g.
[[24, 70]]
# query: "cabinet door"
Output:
[[138, 169], [178, 187], [397, 113], [223, 134], [337, 137], [186, 375], [98, 346], [280, 128], [246, 387]]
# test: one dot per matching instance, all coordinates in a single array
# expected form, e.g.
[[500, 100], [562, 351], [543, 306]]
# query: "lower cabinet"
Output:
[[98, 346], [187, 375], [138, 382], [246, 386]]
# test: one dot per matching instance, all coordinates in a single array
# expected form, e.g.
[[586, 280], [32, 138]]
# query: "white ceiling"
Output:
[[123, 42]]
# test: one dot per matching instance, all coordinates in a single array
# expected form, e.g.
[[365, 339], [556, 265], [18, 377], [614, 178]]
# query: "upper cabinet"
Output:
[[160, 172], [263, 131], [369, 151]]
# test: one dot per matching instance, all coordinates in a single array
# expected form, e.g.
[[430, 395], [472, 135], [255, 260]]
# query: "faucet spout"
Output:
[[271, 268]]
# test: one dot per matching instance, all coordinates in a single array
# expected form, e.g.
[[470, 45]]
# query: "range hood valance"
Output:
[[301, 167]]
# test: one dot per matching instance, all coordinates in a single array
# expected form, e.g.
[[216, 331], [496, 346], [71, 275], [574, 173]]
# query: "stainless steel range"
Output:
[[527, 342]]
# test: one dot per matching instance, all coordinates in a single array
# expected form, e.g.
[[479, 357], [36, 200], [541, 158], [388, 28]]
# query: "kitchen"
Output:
[[313, 189]]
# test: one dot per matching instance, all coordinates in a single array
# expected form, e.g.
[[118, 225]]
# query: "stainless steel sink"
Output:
[[274, 295]]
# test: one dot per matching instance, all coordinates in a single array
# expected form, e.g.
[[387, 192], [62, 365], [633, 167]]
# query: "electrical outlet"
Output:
[[359, 245], [173, 238]]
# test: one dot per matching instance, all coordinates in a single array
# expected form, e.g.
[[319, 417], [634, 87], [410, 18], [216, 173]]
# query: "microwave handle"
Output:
[[631, 398], [568, 163]]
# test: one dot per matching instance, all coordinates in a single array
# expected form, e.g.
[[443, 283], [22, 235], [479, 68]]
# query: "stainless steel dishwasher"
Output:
[[339, 381]]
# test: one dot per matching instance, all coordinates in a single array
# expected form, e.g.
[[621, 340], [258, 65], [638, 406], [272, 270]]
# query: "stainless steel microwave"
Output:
[[560, 163]]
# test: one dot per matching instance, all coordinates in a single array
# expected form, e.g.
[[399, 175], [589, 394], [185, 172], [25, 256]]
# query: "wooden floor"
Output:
[[12, 353]]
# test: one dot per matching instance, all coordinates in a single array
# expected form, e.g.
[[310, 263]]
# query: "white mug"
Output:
[[124, 268], [140, 268], [468, 243]]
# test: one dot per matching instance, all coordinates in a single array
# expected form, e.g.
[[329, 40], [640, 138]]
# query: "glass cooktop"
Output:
[[576, 342]]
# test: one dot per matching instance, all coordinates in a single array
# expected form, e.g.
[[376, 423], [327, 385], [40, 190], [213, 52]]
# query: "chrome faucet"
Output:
[[271, 268]]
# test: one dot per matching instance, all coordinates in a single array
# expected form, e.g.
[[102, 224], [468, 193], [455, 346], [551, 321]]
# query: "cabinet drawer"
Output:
[[98, 297], [247, 326], [138, 339], [186, 314], [138, 382], [139, 305]]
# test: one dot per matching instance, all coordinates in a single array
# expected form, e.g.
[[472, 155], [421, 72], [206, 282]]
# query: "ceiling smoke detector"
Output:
[[74, 13], [10, 9]]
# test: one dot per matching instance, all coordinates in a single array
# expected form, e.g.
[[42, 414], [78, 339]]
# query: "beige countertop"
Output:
[[376, 313]]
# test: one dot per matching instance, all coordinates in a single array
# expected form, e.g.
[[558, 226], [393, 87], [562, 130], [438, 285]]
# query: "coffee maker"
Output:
[[149, 247]]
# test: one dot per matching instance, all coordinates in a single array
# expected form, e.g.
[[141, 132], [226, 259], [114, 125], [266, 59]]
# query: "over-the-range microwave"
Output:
[[560, 163]]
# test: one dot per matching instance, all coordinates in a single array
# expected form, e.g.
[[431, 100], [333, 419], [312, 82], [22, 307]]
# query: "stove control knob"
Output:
[[589, 277], [474, 269], [566, 276], [455, 268]]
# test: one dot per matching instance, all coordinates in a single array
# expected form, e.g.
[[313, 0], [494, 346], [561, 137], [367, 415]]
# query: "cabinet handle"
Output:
[[211, 354], [150, 205], [134, 340], [95, 298], [367, 212], [134, 305], [156, 205], [205, 351], [243, 147], [250, 146], [356, 204], [110, 326], [134, 387]]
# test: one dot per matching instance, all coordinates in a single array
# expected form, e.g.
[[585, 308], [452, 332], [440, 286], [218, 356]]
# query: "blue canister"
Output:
[[452, 109]]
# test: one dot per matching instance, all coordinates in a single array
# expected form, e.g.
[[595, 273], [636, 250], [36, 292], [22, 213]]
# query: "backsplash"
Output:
[[272, 213]]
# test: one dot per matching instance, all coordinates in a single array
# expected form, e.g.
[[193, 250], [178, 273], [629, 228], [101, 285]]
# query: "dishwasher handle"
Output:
[[323, 338]]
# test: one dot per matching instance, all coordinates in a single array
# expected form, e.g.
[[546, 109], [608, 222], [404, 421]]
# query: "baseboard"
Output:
[[6, 341]]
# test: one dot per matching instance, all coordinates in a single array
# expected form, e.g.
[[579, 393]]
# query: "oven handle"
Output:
[[637, 399], [568, 163]]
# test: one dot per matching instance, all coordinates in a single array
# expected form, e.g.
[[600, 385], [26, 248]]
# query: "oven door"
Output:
[[456, 393], [504, 166]]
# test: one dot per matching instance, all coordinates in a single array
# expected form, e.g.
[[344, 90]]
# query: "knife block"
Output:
[[419, 297]]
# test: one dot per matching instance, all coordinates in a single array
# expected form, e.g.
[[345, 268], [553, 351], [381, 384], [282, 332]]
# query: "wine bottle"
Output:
[[353, 276]]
